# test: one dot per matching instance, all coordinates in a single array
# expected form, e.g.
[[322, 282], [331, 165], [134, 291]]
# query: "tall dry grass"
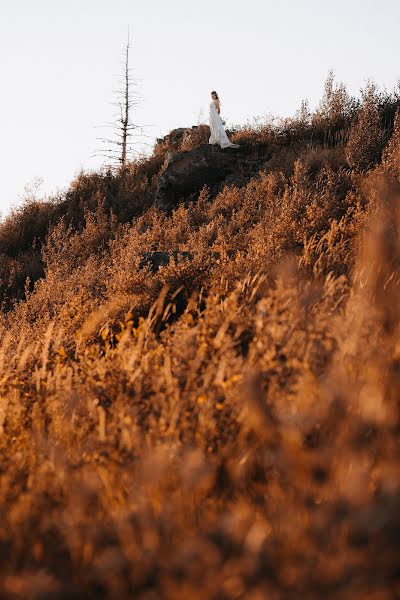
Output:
[[227, 427]]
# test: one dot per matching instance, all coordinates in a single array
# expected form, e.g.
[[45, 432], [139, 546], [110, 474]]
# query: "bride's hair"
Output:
[[215, 94]]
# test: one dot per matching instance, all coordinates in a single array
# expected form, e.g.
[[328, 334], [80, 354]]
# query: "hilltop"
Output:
[[199, 364]]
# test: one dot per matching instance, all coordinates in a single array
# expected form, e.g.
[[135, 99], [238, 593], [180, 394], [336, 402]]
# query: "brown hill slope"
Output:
[[225, 425]]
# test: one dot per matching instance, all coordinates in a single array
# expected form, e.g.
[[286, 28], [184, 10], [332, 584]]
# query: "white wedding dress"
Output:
[[218, 133]]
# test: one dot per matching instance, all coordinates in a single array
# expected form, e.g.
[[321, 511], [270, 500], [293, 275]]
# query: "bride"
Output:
[[218, 134]]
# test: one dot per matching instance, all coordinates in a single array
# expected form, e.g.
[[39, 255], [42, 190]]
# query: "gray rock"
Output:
[[155, 260], [175, 137], [187, 173]]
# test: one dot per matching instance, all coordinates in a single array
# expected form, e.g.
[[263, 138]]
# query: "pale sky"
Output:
[[60, 61]]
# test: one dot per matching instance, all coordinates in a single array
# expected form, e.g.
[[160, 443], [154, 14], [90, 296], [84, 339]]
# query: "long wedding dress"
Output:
[[218, 133]]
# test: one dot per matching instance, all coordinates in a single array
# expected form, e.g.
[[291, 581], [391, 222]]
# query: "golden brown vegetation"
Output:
[[227, 427]]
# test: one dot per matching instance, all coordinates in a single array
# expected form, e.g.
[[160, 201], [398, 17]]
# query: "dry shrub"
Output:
[[366, 138], [253, 134], [335, 110], [391, 157]]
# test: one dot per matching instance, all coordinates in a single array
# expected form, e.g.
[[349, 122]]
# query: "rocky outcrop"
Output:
[[155, 260], [176, 136], [186, 173]]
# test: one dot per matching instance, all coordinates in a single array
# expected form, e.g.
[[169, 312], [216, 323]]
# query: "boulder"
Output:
[[186, 173], [175, 137], [155, 260]]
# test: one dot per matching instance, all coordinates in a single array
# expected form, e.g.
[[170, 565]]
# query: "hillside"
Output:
[[199, 362]]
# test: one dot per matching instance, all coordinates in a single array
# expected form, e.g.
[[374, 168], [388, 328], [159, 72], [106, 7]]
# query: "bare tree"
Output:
[[120, 147]]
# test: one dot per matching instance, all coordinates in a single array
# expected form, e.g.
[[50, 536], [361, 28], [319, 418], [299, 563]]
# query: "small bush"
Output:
[[366, 137]]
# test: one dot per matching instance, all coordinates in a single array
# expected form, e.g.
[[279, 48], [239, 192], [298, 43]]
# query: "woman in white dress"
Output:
[[218, 133]]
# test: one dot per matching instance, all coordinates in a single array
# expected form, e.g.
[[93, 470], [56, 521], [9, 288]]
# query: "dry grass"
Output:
[[227, 427]]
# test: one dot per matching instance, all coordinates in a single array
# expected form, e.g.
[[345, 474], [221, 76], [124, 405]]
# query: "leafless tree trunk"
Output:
[[120, 147], [125, 119]]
